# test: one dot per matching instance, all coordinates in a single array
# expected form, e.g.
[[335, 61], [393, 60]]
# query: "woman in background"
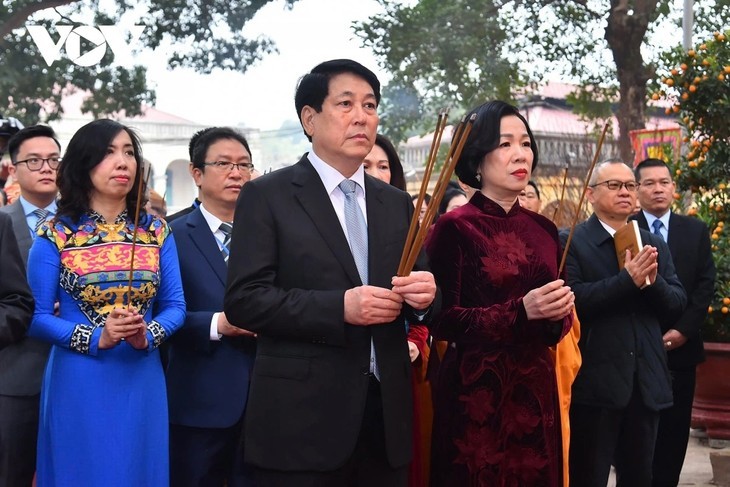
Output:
[[496, 408], [383, 163], [103, 417]]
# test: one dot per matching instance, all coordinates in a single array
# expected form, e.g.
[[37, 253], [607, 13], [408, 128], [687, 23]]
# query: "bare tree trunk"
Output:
[[627, 25]]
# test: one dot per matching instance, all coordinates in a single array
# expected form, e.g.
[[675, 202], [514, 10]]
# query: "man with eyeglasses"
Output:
[[35, 154], [689, 241], [623, 382], [209, 360]]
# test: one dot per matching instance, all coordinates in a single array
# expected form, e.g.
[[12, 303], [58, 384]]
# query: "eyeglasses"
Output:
[[664, 183], [36, 163], [614, 185], [228, 166]]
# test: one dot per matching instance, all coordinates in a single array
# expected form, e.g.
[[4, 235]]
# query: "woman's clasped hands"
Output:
[[124, 324]]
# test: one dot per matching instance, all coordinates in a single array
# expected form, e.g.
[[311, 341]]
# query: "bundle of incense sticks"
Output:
[[417, 234]]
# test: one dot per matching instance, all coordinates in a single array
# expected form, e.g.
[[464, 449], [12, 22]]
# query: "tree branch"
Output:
[[18, 18]]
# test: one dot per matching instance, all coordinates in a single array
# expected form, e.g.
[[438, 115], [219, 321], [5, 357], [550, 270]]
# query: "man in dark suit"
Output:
[[624, 381], [209, 361], [35, 155], [330, 401], [689, 241], [16, 309]]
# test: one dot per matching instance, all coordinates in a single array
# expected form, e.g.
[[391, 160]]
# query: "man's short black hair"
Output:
[[651, 162], [29, 133], [208, 137], [313, 87]]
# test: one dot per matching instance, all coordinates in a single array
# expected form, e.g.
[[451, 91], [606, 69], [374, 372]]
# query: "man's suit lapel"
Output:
[[22, 231], [204, 240], [311, 194]]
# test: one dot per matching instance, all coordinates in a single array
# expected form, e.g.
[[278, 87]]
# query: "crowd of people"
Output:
[[263, 337]]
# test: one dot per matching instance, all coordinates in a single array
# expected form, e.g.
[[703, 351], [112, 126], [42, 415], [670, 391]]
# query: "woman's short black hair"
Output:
[[449, 195], [397, 178], [87, 148], [484, 138]]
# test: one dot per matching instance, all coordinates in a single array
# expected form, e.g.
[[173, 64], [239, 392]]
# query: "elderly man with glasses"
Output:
[[624, 382], [35, 156]]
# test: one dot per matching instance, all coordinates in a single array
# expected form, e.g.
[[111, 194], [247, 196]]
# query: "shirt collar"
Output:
[[608, 228], [213, 221], [29, 208], [650, 218], [331, 177]]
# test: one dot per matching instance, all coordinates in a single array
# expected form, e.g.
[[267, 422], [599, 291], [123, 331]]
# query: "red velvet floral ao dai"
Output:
[[496, 409]]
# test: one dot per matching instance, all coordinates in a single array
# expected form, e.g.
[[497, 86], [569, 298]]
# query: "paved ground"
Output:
[[697, 469]]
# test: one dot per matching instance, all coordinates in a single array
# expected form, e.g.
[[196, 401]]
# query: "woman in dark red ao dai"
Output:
[[496, 413]]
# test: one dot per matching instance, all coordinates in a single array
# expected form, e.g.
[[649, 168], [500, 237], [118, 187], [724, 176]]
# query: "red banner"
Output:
[[663, 144]]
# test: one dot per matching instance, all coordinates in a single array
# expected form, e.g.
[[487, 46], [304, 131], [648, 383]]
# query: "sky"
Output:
[[312, 32]]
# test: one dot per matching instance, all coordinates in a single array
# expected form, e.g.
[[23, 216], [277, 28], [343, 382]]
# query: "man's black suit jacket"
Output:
[[207, 381], [16, 301], [289, 268], [621, 337], [23, 362], [689, 243]]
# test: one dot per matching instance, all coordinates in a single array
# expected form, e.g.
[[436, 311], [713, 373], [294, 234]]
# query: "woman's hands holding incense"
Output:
[[553, 301]]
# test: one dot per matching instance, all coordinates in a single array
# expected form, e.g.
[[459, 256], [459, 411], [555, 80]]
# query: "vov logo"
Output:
[[98, 37]]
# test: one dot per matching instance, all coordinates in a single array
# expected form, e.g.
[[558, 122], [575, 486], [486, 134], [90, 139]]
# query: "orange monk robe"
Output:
[[567, 362]]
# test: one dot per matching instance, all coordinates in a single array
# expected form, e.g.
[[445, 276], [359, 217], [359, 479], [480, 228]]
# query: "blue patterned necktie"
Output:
[[357, 230], [657, 226], [227, 229], [41, 215], [357, 234]]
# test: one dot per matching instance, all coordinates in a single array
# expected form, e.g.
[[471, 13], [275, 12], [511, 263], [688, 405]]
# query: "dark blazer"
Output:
[[207, 381], [689, 243], [16, 301], [22, 363], [289, 268], [621, 336]]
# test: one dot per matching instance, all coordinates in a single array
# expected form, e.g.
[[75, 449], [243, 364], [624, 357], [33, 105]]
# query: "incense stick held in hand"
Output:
[[582, 197], [414, 244], [138, 208]]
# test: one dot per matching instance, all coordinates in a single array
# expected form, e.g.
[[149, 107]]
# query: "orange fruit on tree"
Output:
[[725, 300], [655, 96], [724, 310], [692, 88]]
